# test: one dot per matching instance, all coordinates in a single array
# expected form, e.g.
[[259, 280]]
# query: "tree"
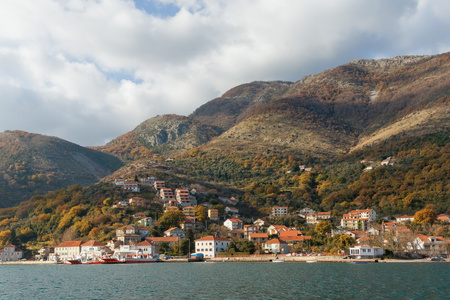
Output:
[[346, 241], [247, 246], [171, 218], [426, 215], [107, 202], [201, 213], [323, 227], [5, 236], [231, 247]]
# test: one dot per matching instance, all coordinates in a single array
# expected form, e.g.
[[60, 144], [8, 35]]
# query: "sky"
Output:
[[88, 71]]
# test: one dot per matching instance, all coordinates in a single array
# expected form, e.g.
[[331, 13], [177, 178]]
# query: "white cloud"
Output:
[[88, 71]]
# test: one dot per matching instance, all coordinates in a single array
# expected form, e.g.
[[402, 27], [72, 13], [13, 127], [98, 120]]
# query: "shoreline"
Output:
[[265, 258]]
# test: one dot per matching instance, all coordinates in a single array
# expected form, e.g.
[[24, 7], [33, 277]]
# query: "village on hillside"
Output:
[[218, 230]]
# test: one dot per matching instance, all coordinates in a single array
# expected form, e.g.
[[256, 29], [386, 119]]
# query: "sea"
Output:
[[227, 280]]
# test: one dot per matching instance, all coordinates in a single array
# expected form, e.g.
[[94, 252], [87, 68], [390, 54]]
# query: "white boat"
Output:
[[311, 261], [277, 260]]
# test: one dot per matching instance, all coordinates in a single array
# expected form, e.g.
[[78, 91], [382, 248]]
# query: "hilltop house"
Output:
[[278, 211], [358, 219], [213, 214], [275, 229], [175, 231], [233, 223]]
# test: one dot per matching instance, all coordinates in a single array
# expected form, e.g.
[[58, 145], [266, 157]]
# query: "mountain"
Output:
[[233, 106], [170, 134], [33, 163], [338, 110]]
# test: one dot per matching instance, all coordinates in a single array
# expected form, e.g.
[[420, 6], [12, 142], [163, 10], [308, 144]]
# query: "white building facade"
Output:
[[210, 246]]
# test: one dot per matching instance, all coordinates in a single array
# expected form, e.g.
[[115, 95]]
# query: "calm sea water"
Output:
[[229, 280]]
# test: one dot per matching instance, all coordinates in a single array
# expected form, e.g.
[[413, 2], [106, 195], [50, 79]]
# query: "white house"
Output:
[[148, 248], [365, 251], [305, 211], [92, 250], [275, 229], [131, 186], [10, 253], [209, 246], [278, 211], [431, 244], [233, 223], [276, 246], [175, 231], [232, 210], [68, 250], [405, 218], [358, 219]]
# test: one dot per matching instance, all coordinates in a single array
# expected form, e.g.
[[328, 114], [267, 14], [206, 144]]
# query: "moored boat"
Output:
[[73, 262]]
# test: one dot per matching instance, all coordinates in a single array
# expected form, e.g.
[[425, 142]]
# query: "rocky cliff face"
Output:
[[168, 134]]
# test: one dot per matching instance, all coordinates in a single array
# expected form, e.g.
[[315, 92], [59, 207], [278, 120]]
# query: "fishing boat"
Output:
[[311, 261], [73, 262], [277, 260]]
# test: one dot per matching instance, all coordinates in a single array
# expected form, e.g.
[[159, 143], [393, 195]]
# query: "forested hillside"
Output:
[[33, 164]]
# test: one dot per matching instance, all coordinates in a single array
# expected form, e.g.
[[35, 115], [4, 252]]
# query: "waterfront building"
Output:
[[210, 246], [276, 246], [365, 251], [10, 253], [68, 250]]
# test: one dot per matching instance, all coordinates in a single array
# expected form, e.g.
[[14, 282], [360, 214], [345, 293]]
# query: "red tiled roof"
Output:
[[290, 233], [296, 238], [145, 243], [275, 241], [92, 243], [235, 220], [70, 244], [258, 235], [168, 239], [212, 238]]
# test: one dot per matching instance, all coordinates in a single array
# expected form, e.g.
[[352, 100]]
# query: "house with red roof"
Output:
[[233, 223], [292, 239], [405, 218], [10, 253], [175, 231], [276, 229], [258, 238], [443, 218], [232, 211], [429, 244], [147, 248], [358, 219], [248, 229], [171, 240], [92, 250], [276, 246], [210, 246], [68, 250]]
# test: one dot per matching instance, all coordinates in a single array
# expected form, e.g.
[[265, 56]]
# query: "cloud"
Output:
[[88, 71]]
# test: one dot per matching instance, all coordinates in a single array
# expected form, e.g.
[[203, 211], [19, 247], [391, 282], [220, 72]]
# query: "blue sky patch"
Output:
[[156, 8]]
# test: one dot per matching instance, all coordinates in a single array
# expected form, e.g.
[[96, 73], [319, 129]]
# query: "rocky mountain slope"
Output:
[[168, 134], [348, 107], [32, 163]]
